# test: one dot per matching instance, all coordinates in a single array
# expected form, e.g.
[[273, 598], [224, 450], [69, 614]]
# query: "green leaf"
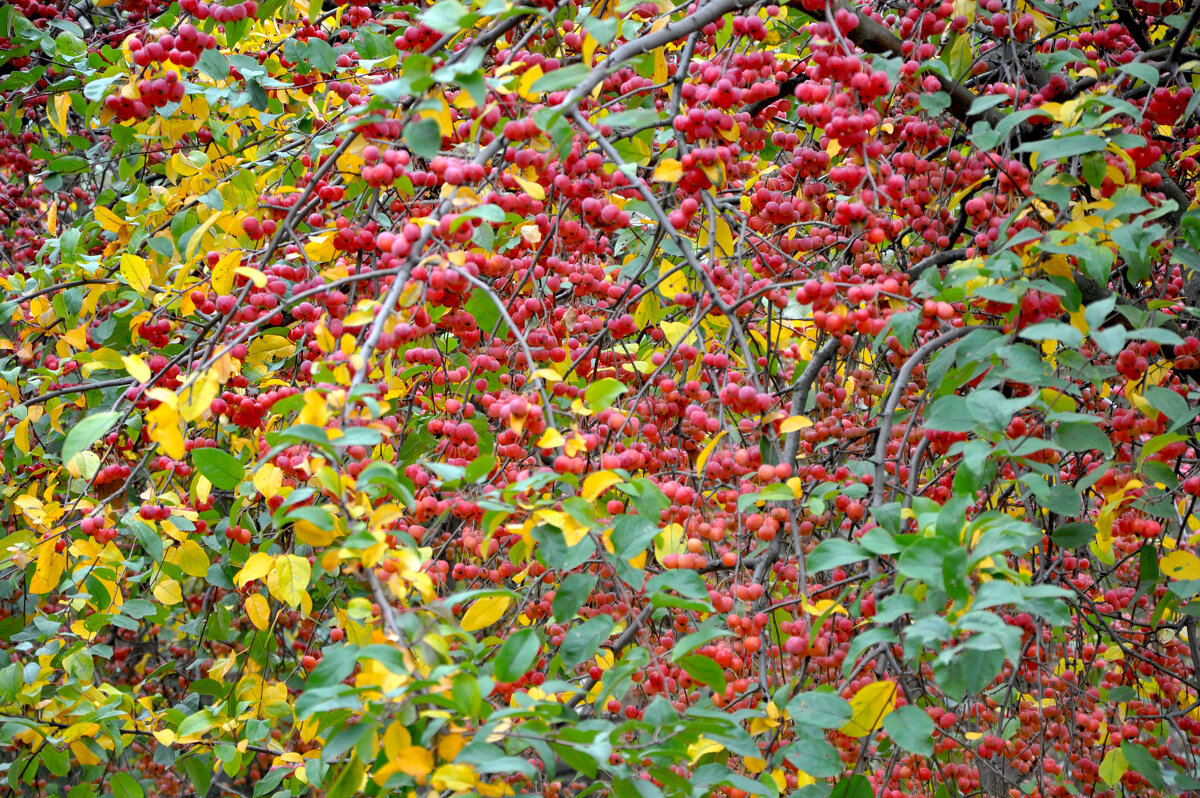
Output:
[[821, 710], [214, 64], [87, 432], [1065, 147], [601, 394], [835, 552], [445, 16], [1144, 763], [632, 534], [424, 138], [517, 655], [321, 55], [220, 468], [581, 642], [124, 785], [1082, 436], [687, 583], [705, 671], [911, 729], [1074, 535], [561, 78], [571, 595]]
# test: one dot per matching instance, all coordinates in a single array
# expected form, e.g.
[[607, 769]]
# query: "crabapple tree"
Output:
[[617, 398]]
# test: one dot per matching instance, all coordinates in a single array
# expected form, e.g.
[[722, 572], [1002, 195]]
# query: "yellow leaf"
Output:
[[316, 410], [660, 66], [648, 312], [192, 559], [52, 218], [793, 423], [58, 119], [527, 80], [21, 436], [196, 398], [595, 484], [312, 534], [293, 572], [415, 761], [164, 430], [703, 746], [168, 592], [320, 248], [258, 611], [50, 565], [485, 612], [707, 451], [137, 368], [531, 188], [669, 541], [135, 272], [254, 275], [193, 243], [589, 49], [669, 170], [107, 219], [673, 281], [551, 439], [676, 330], [1181, 565], [870, 706], [269, 347], [223, 272], [268, 480], [724, 236], [258, 566]]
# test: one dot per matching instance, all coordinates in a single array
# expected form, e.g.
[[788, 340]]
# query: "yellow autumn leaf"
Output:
[[595, 484], [531, 188], [707, 451], [107, 219], [485, 612], [137, 368], [527, 80], [258, 566], [703, 746], [164, 430], [50, 565], [253, 275], [168, 592], [52, 218], [294, 573], [197, 236], [58, 119], [551, 439], [676, 331], [268, 480], [136, 273], [223, 272], [793, 423], [196, 398], [648, 312], [1181, 565], [192, 559], [660, 66], [311, 534], [669, 170], [258, 611], [870, 706]]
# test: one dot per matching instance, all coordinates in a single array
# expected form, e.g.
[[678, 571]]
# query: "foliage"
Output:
[[491, 397]]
